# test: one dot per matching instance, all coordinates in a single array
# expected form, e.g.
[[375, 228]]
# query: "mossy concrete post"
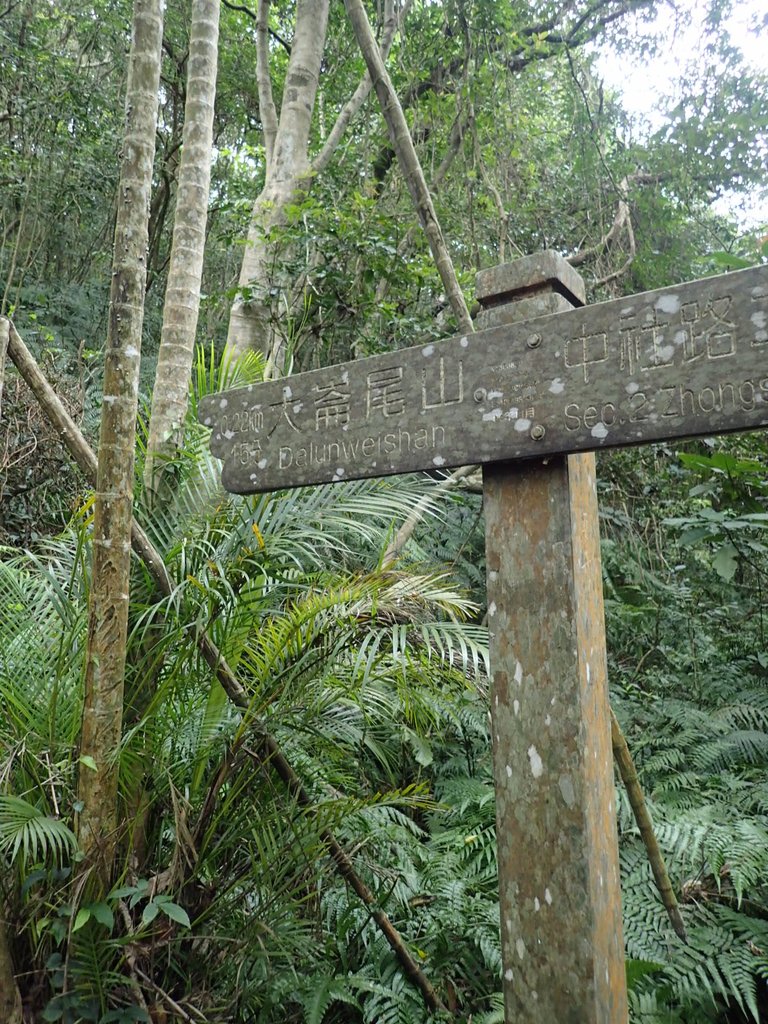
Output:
[[561, 928]]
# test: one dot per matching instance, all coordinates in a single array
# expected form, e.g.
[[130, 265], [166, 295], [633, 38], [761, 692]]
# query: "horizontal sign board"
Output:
[[678, 362]]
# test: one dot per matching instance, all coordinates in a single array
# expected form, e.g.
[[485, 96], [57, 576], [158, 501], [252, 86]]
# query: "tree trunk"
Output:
[[289, 172], [182, 296], [108, 609], [286, 179]]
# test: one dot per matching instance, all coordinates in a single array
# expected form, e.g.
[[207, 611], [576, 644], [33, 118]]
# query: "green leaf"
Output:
[[103, 914], [176, 913], [150, 913], [88, 761], [83, 917], [725, 562], [637, 969]]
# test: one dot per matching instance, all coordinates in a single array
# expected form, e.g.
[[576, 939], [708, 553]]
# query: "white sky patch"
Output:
[[650, 84]]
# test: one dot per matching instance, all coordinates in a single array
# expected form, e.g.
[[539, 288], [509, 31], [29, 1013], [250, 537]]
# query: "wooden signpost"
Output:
[[530, 396]]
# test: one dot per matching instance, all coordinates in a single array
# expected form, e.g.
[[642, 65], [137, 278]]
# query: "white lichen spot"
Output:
[[536, 904], [534, 993], [223, 403], [520, 947], [287, 392], [493, 395], [548, 720], [516, 707], [599, 430], [340, 471], [668, 304], [557, 387], [680, 338], [588, 672], [427, 351], [548, 897], [492, 609], [565, 785], [537, 765], [518, 673], [229, 434], [464, 341], [508, 770], [508, 974], [262, 463], [522, 425], [600, 879], [437, 461], [490, 417], [607, 977], [632, 388], [667, 353], [207, 421], [493, 575], [131, 351]]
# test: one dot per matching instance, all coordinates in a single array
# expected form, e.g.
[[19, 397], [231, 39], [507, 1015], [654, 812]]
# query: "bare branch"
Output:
[[402, 143], [642, 817], [361, 93], [405, 532], [267, 109]]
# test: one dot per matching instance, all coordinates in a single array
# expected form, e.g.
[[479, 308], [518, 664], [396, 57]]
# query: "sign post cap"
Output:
[[511, 281]]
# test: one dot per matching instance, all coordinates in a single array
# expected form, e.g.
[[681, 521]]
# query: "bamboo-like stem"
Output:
[[634, 790], [264, 748], [4, 331], [402, 143]]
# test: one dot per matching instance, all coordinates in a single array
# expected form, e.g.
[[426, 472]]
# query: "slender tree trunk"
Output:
[[108, 610], [182, 296], [287, 173]]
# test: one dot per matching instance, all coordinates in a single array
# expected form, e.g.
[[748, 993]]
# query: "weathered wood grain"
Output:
[[678, 362]]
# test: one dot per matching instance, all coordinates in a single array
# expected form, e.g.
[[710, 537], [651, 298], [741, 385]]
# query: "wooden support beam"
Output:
[[558, 851]]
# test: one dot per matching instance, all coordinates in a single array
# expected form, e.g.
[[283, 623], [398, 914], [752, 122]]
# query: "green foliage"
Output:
[[690, 692]]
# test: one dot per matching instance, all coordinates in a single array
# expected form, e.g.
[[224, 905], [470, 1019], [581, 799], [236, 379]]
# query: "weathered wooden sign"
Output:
[[677, 362]]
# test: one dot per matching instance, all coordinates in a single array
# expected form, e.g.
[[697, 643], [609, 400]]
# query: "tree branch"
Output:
[[642, 817], [267, 109], [405, 532], [361, 93], [409, 162]]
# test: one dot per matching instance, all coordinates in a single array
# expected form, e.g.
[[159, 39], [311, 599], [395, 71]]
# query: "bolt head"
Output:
[[538, 431], [534, 340]]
